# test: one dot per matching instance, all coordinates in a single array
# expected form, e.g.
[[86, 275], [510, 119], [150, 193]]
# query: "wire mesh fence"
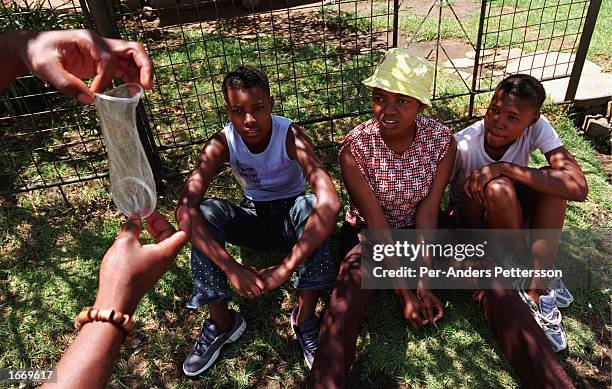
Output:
[[538, 37], [316, 53], [45, 139]]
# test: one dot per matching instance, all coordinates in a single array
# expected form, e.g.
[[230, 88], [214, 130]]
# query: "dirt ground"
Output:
[[606, 164], [54, 4], [460, 8], [274, 18]]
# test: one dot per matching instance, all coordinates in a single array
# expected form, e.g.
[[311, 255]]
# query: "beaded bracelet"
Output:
[[119, 319]]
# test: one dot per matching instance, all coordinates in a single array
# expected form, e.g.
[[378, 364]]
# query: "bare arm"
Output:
[[323, 216], [360, 193], [564, 179], [426, 222], [428, 208], [128, 271], [89, 361], [215, 153], [365, 200]]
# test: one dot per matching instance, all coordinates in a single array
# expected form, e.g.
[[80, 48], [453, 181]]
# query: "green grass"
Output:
[[51, 254], [49, 144], [308, 82], [593, 211], [418, 28], [185, 107], [600, 47], [550, 35], [510, 24]]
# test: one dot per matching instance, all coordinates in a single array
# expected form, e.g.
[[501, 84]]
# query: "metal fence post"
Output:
[[101, 12], [395, 22], [102, 16], [583, 48], [483, 9], [86, 15]]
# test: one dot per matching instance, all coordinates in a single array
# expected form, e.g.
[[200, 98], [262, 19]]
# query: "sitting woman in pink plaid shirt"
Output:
[[395, 168]]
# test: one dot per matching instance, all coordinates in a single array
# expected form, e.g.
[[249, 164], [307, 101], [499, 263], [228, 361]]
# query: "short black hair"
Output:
[[246, 77], [525, 87]]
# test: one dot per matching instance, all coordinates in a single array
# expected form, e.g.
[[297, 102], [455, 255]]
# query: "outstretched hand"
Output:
[[64, 58], [130, 269]]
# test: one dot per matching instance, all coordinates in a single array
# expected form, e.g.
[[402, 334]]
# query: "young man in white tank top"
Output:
[[271, 157], [494, 188]]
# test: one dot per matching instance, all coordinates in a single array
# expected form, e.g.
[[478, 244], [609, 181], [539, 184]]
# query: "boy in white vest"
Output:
[[493, 187], [271, 157]]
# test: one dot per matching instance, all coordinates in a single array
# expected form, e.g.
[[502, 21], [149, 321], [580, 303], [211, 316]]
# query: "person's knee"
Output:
[[302, 208], [213, 211], [498, 296], [500, 193]]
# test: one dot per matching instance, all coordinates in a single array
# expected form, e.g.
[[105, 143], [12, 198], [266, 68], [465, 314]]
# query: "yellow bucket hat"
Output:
[[402, 72]]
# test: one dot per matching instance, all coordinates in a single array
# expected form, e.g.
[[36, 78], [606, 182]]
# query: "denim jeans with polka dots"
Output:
[[262, 225]]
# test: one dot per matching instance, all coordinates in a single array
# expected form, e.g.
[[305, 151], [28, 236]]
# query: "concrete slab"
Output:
[[495, 55], [459, 63], [591, 87], [594, 83], [547, 64], [465, 75]]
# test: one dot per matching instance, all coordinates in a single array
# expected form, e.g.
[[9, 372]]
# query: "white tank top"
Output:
[[271, 174]]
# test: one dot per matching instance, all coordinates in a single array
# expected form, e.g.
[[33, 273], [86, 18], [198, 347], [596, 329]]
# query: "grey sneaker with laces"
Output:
[[308, 335], [547, 315], [208, 345]]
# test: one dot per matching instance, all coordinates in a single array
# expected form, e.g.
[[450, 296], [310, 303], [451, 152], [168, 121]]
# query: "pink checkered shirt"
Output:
[[399, 182]]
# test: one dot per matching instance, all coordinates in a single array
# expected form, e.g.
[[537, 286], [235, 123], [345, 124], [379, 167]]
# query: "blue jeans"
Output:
[[262, 225]]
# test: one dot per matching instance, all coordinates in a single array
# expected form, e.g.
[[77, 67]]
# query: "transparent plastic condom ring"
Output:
[[132, 182]]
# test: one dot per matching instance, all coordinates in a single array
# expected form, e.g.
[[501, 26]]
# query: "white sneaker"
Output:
[[553, 328], [547, 315]]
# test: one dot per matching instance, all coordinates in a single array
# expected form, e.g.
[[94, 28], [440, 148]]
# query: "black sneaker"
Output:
[[308, 335], [206, 349]]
